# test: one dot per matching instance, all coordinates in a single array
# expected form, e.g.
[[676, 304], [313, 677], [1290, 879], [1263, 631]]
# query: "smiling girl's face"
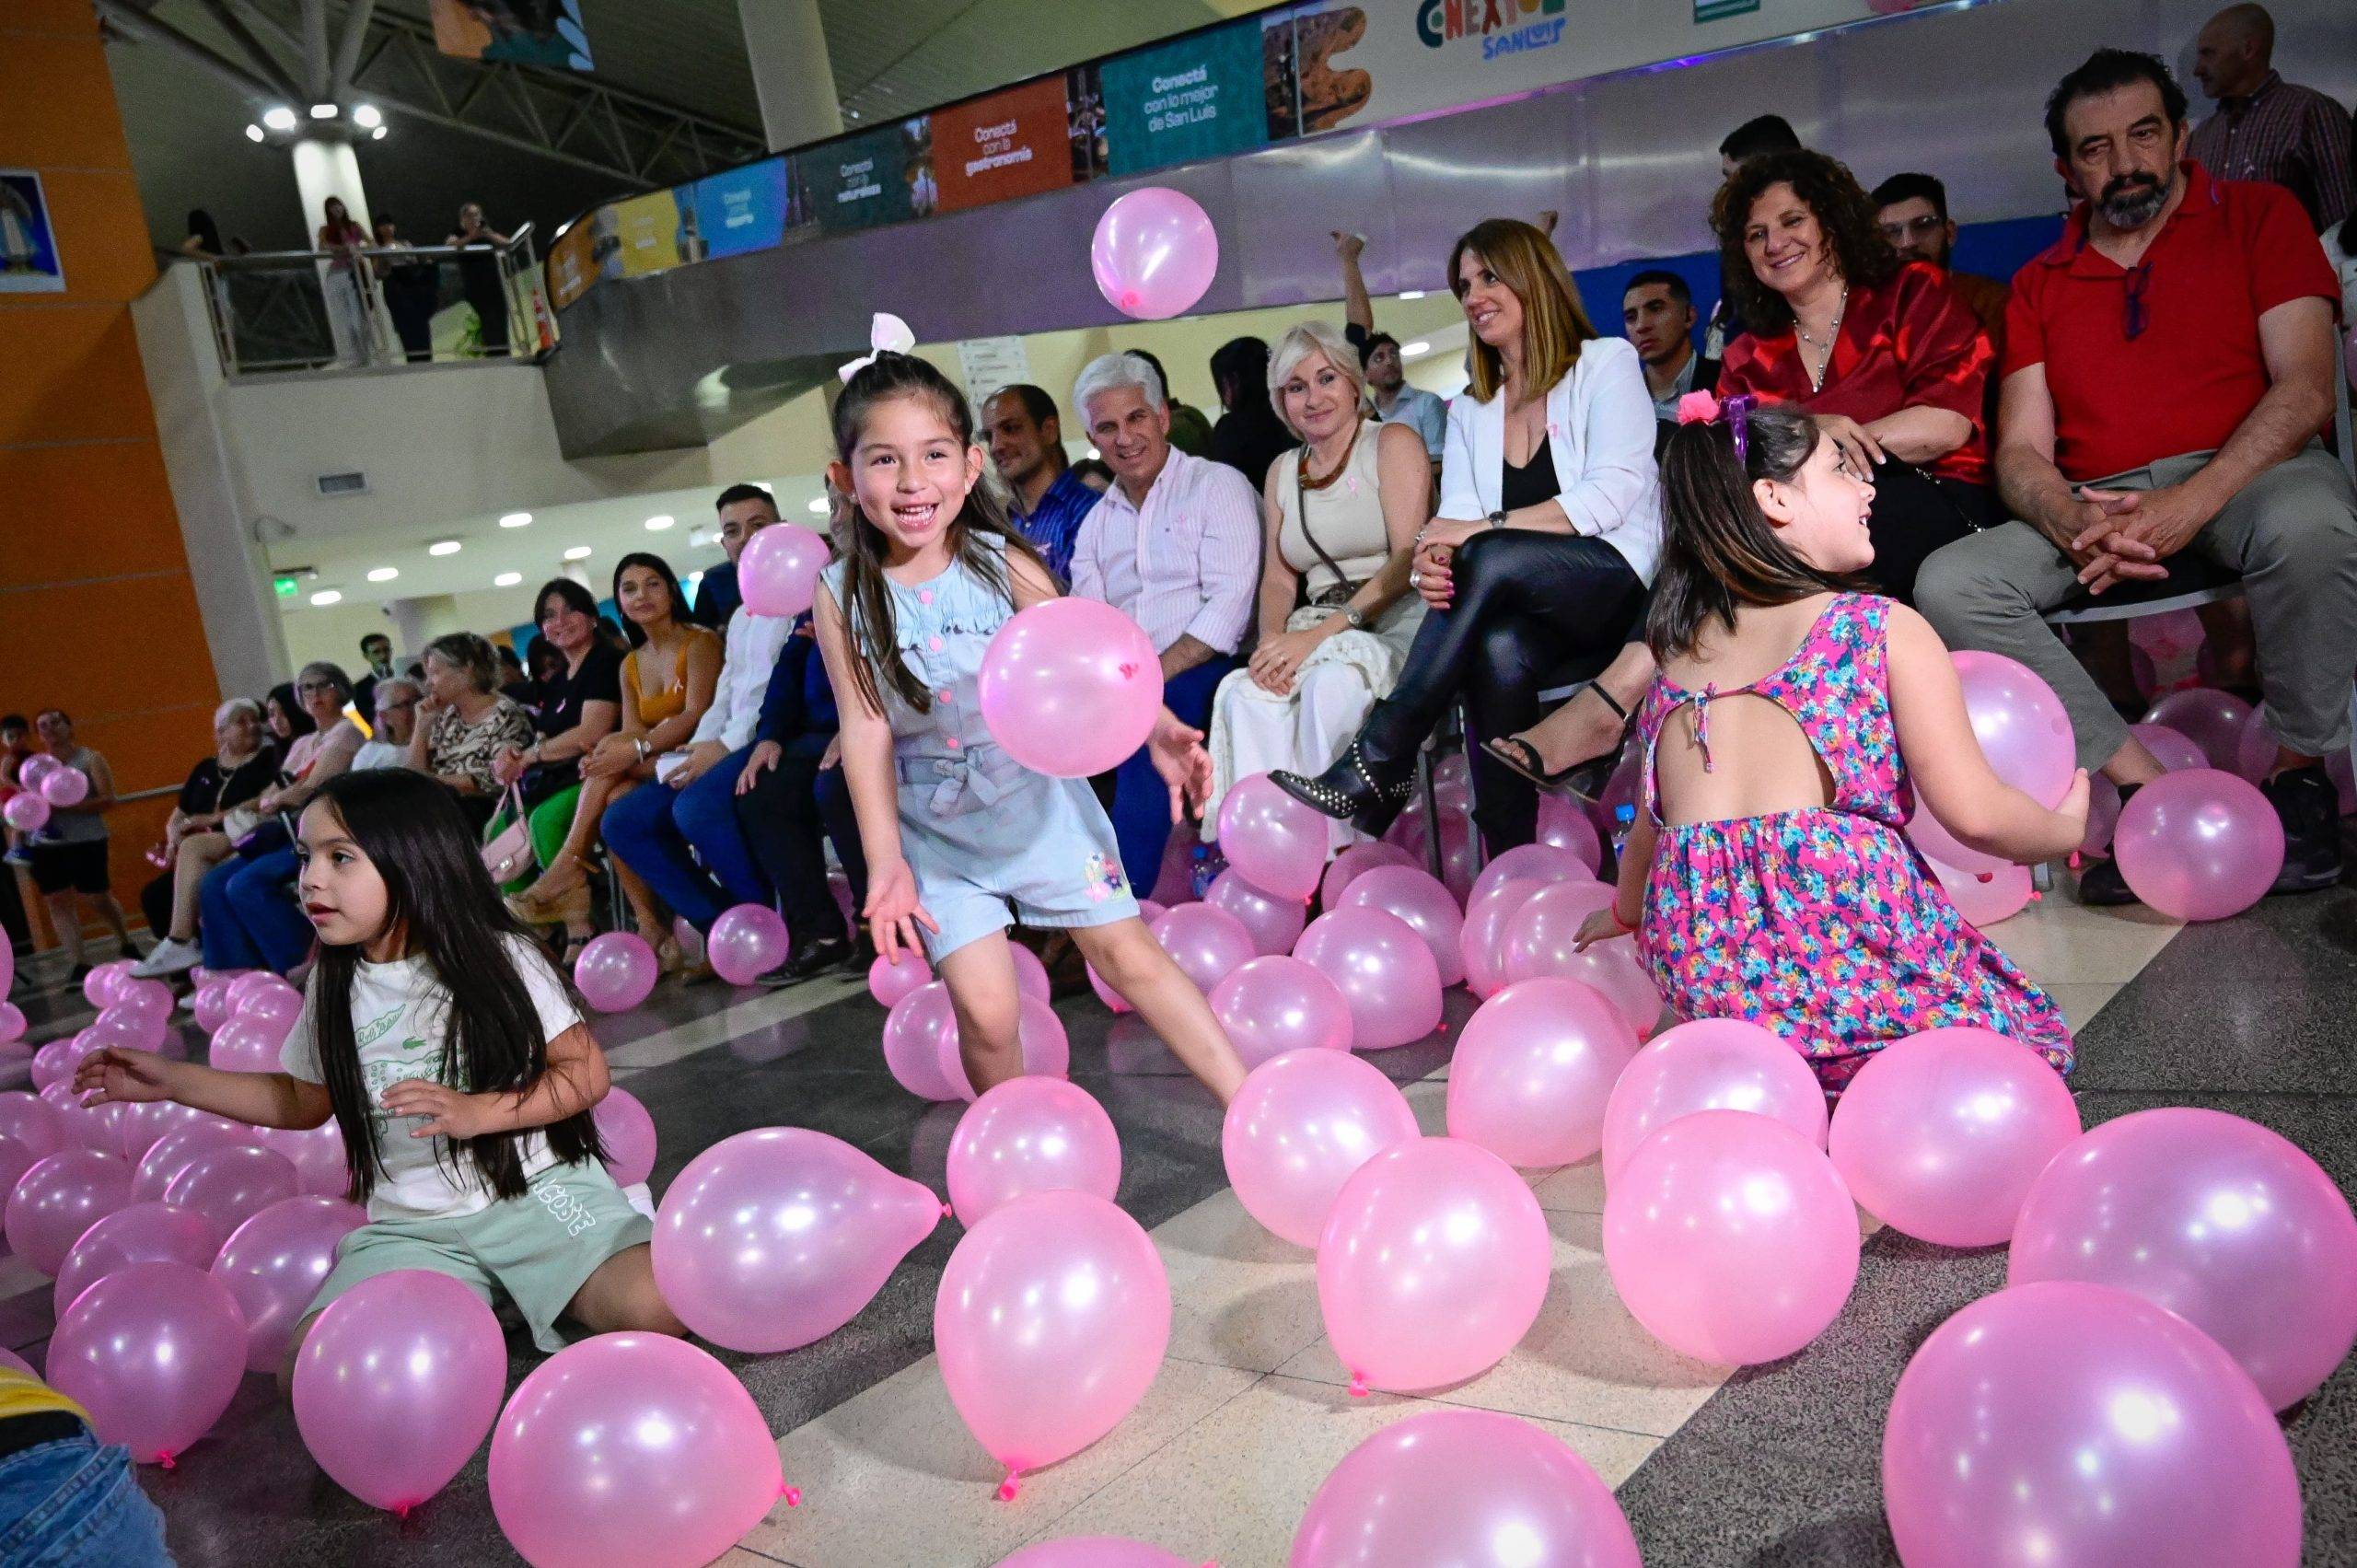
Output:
[[910, 475]]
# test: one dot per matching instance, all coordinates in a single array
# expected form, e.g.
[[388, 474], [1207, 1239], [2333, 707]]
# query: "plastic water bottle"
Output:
[[1624, 822]]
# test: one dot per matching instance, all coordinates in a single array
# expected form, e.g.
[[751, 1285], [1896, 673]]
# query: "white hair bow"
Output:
[[885, 334]]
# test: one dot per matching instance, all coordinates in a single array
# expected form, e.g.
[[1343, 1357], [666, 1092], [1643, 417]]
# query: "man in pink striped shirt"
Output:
[[1175, 546]]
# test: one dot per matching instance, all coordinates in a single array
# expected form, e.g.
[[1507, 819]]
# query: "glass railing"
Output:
[[280, 310]]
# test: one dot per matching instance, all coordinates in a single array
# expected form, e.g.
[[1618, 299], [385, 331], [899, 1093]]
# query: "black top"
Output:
[[207, 791], [1532, 483], [1247, 438], [599, 680]]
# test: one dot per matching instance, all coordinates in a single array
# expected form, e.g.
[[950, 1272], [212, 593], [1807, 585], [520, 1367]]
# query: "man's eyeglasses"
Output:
[[1921, 229]]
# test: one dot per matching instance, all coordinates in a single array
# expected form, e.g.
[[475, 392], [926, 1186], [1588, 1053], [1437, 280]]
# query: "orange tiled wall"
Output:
[[97, 613]]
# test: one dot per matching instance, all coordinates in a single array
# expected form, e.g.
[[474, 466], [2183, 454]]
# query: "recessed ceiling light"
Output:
[[820, 506], [1411, 350], [367, 116], [326, 597], [1412, 294], [660, 521], [516, 520], [507, 579], [378, 134], [253, 133], [578, 552], [443, 547], [278, 117], [383, 574], [324, 112]]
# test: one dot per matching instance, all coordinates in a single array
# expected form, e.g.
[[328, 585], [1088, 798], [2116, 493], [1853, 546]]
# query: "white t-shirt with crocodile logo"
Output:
[[400, 1021]]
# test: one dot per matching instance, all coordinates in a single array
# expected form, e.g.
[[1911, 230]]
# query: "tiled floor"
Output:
[[1772, 1465]]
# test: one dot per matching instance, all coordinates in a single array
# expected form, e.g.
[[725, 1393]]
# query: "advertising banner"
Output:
[[733, 213], [527, 33], [649, 230], [573, 266], [1197, 96], [1017, 143], [860, 180]]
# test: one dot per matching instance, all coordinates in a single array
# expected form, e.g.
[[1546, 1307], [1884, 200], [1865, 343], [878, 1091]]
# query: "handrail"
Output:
[[517, 241]]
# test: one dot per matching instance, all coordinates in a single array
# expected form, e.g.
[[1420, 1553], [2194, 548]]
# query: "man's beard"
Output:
[[2134, 200]]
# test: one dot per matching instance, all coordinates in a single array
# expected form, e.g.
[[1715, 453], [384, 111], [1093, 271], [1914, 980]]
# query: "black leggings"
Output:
[[1914, 514], [1526, 604]]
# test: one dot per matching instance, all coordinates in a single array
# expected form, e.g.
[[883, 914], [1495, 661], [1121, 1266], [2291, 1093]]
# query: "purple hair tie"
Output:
[[1738, 410]]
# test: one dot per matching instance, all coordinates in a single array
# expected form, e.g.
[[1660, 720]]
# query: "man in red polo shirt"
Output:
[[2168, 364]]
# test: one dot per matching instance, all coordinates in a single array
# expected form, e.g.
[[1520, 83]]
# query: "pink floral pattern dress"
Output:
[[1825, 925]]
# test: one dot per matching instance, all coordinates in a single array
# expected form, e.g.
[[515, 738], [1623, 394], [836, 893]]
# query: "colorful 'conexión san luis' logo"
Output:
[[1504, 27]]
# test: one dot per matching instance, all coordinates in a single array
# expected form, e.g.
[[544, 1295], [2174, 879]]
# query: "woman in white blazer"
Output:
[[1548, 530]]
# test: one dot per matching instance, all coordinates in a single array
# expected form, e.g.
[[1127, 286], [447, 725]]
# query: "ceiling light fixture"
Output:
[[278, 117], [324, 112], [378, 134], [820, 506], [443, 547], [1413, 350], [367, 116], [253, 133], [383, 574], [660, 521], [327, 597], [507, 579], [578, 552], [516, 520]]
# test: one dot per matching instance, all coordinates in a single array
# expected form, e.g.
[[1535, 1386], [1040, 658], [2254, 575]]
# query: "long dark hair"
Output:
[[437, 892], [980, 522], [1719, 552], [661, 568], [299, 722], [1843, 210]]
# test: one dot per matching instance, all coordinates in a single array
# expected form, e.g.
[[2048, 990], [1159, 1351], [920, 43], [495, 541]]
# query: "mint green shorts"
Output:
[[535, 1251]]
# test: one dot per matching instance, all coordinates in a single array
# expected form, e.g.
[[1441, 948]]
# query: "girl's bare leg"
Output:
[[1128, 959], [981, 977], [622, 1295]]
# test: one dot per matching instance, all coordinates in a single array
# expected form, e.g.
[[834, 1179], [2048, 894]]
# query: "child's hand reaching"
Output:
[[1178, 753], [122, 1078], [1601, 926], [893, 913], [452, 1114]]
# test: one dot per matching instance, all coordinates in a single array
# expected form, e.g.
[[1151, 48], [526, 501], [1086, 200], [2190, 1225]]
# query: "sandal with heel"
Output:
[[1585, 779]]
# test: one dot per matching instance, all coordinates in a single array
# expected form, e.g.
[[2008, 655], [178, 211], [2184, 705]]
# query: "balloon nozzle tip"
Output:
[[792, 1495], [1007, 1488], [948, 1213], [1358, 1386]]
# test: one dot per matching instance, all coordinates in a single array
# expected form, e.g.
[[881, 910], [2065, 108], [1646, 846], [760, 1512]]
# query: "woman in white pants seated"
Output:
[[1342, 512]]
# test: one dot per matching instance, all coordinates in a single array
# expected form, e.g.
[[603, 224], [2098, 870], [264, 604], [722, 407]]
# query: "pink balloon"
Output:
[[11, 1360], [1710, 1064], [1030, 974], [628, 1133], [230, 1186], [1534, 1069], [274, 1264], [1615, 969], [913, 1033], [2069, 1422], [1431, 1265], [35, 768], [153, 1351], [34, 1123], [152, 998], [136, 1232], [1988, 897], [56, 1062], [2225, 1223], [635, 1448], [1153, 253], [397, 1384], [1539, 939], [776, 1238], [85, 1128], [2025, 735], [2102, 814], [26, 811], [1532, 863], [1071, 687], [1274, 923], [1385, 971], [1047, 1049], [2255, 748], [778, 571], [616, 971], [1093, 1551], [1279, 1004], [1299, 1127], [747, 941], [317, 1154], [245, 987], [60, 1197], [1355, 860], [141, 1125], [171, 1154], [1207, 943], [2171, 749], [1463, 1487], [1030, 1135], [100, 986], [1940, 1135], [15, 1158], [889, 981], [2211, 719], [1730, 1238], [1274, 841], [105, 1126], [1050, 1324], [2200, 845], [212, 1006], [65, 786], [1413, 833], [248, 1043], [1564, 825], [1482, 941], [12, 1017], [1430, 909]]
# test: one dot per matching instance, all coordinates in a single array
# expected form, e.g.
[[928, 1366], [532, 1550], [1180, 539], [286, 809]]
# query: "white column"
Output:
[[786, 47], [325, 168]]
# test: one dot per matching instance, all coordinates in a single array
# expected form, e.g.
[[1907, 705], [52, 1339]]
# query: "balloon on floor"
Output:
[[1384, 969], [1279, 1004], [2199, 845], [1039, 1034], [1299, 1127], [1420, 898], [153, 1351], [1272, 922], [1710, 1064], [1534, 1069], [1030, 1135], [274, 1264]]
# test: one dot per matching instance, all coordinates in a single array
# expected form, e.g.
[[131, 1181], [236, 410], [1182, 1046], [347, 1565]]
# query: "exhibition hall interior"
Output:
[[1076, 784]]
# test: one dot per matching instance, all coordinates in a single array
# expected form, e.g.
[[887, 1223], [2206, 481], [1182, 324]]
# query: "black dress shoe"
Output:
[[2309, 805], [808, 962], [1357, 789], [2100, 885]]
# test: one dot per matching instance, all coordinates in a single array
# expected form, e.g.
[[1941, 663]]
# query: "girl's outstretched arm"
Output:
[[1951, 775], [574, 1081], [1627, 907], [261, 1099]]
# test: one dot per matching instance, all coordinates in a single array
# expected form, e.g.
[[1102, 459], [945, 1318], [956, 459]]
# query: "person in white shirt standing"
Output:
[[1175, 546], [693, 808]]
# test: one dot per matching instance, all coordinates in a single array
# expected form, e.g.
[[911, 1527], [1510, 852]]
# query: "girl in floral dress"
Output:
[[1794, 721]]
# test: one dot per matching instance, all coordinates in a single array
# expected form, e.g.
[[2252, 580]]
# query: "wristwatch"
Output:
[[1498, 519], [1354, 618]]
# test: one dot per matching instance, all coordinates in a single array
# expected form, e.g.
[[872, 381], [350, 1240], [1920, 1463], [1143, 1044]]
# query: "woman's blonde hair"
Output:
[[1298, 344], [1554, 323]]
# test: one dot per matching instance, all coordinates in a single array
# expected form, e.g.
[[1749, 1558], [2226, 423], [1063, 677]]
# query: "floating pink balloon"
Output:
[[230, 1186], [274, 1264], [2199, 845], [888, 981], [1299, 1127], [1039, 1034], [60, 1197], [397, 1384], [2225, 1223], [1153, 253], [1093, 1551], [1730, 1238], [1279, 1004], [1354, 861], [1940, 1135], [65, 786], [1541, 939], [2069, 1422], [1431, 1265], [170, 1155], [1050, 1324], [747, 941], [1071, 687], [26, 811], [1986, 898], [1274, 923], [136, 1232], [1564, 825], [2211, 719], [1463, 1487], [616, 971], [1482, 941], [774, 1239], [35, 768], [635, 1448], [1430, 909], [153, 1351], [1030, 1135], [1274, 841], [1534, 1069], [628, 1133], [778, 571], [913, 1032], [2174, 751], [1385, 971], [1207, 943], [34, 1123]]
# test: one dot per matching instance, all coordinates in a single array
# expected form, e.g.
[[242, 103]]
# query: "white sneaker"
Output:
[[170, 957]]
